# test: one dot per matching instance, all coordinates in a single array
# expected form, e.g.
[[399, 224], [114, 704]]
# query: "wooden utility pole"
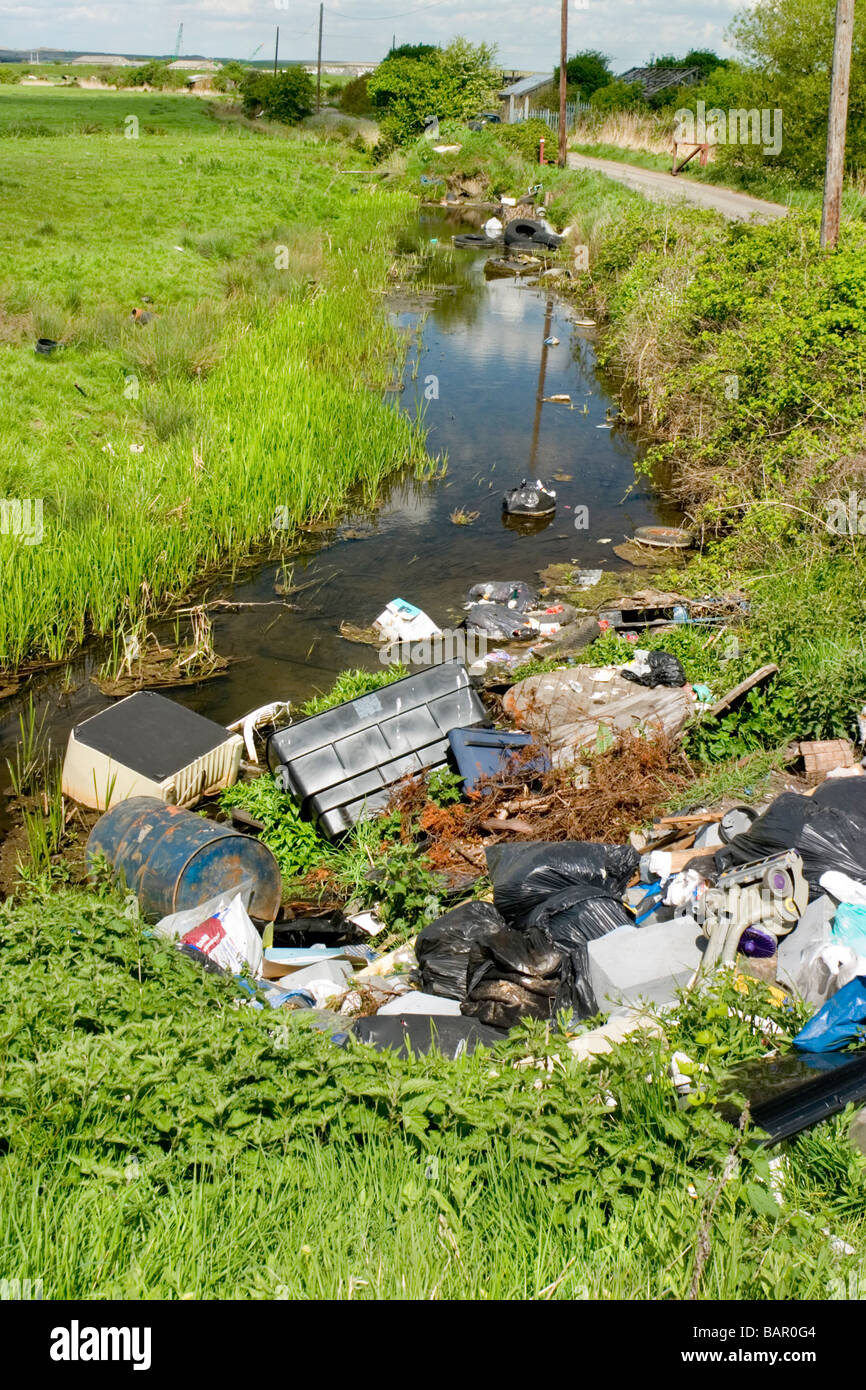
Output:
[[319, 61], [563, 60], [837, 120], [276, 50]]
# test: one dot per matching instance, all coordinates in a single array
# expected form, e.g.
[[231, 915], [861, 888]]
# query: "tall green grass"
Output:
[[160, 1141], [251, 402]]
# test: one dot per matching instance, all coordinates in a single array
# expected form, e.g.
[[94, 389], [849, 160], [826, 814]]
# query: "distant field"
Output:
[[243, 367], [43, 111]]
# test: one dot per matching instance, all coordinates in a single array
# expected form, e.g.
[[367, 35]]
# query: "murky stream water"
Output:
[[481, 371]]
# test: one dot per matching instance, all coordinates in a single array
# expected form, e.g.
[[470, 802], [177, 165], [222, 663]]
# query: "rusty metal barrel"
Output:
[[172, 859]]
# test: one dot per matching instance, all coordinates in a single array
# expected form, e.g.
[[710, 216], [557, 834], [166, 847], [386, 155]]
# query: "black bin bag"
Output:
[[525, 876], [831, 839], [827, 830], [443, 947], [663, 668], [522, 974], [579, 914]]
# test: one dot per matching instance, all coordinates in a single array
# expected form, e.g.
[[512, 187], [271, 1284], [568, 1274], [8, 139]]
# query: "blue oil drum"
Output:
[[172, 859]]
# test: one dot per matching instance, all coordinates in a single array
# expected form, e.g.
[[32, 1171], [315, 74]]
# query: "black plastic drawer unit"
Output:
[[341, 764]]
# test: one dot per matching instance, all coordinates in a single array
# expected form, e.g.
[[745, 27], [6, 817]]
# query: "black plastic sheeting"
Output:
[[417, 1034], [794, 1092]]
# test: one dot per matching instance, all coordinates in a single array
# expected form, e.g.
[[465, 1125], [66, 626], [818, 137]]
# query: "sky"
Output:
[[526, 34]]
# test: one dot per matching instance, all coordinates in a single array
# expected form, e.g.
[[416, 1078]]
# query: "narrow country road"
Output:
[[737, 207]]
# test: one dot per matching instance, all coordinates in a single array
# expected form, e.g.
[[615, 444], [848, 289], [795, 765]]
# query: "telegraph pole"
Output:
[[319, 61], [276, 49], [563, 59], [837, 120]]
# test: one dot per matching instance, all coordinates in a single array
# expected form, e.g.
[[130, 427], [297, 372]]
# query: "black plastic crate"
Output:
[[342, 764]]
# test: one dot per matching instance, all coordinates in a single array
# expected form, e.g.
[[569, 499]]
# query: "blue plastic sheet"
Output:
[[840, 1021]]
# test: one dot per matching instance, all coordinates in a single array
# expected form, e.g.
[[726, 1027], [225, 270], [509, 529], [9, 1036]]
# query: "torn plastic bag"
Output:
[[443, 947], [225, 933], [501, 623], [570, 709], [513, 593], [525, 876], [839, 1022], [657, 668], [417, 1034], [579, 914], [514, 975], [529, 499]]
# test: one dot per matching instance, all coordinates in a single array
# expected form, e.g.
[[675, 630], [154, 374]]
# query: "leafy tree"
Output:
[[453, 82], [412, 50], [788, 46], [705, 59], [231, 75], [587, 71], [254, 91], [288, 97]]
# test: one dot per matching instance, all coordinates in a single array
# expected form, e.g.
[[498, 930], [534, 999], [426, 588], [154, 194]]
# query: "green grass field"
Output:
[[163, 450]]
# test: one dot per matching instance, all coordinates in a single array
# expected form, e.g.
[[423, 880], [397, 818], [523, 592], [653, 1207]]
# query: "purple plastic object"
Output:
[[760, 945]]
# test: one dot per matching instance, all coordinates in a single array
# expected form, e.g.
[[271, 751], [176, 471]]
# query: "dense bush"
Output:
[[617, 96], [153, 74], [354, 97], [286, 97], [457, 82], [524, 136]]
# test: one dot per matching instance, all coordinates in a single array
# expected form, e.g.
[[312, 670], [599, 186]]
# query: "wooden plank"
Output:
[[701, 818], [748, 684]]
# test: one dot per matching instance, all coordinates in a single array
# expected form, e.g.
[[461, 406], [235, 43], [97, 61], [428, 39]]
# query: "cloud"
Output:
[[629, 31]]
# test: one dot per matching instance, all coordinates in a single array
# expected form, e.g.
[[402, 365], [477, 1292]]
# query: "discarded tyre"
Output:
[[475, 241], [523, 230]]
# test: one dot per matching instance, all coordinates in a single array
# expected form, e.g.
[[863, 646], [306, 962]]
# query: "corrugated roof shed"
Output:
[[527, 85], [658, 79]]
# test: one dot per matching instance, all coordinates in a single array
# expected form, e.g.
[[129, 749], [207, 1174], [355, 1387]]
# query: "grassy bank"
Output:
[[171, 1144], [250, 403]]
